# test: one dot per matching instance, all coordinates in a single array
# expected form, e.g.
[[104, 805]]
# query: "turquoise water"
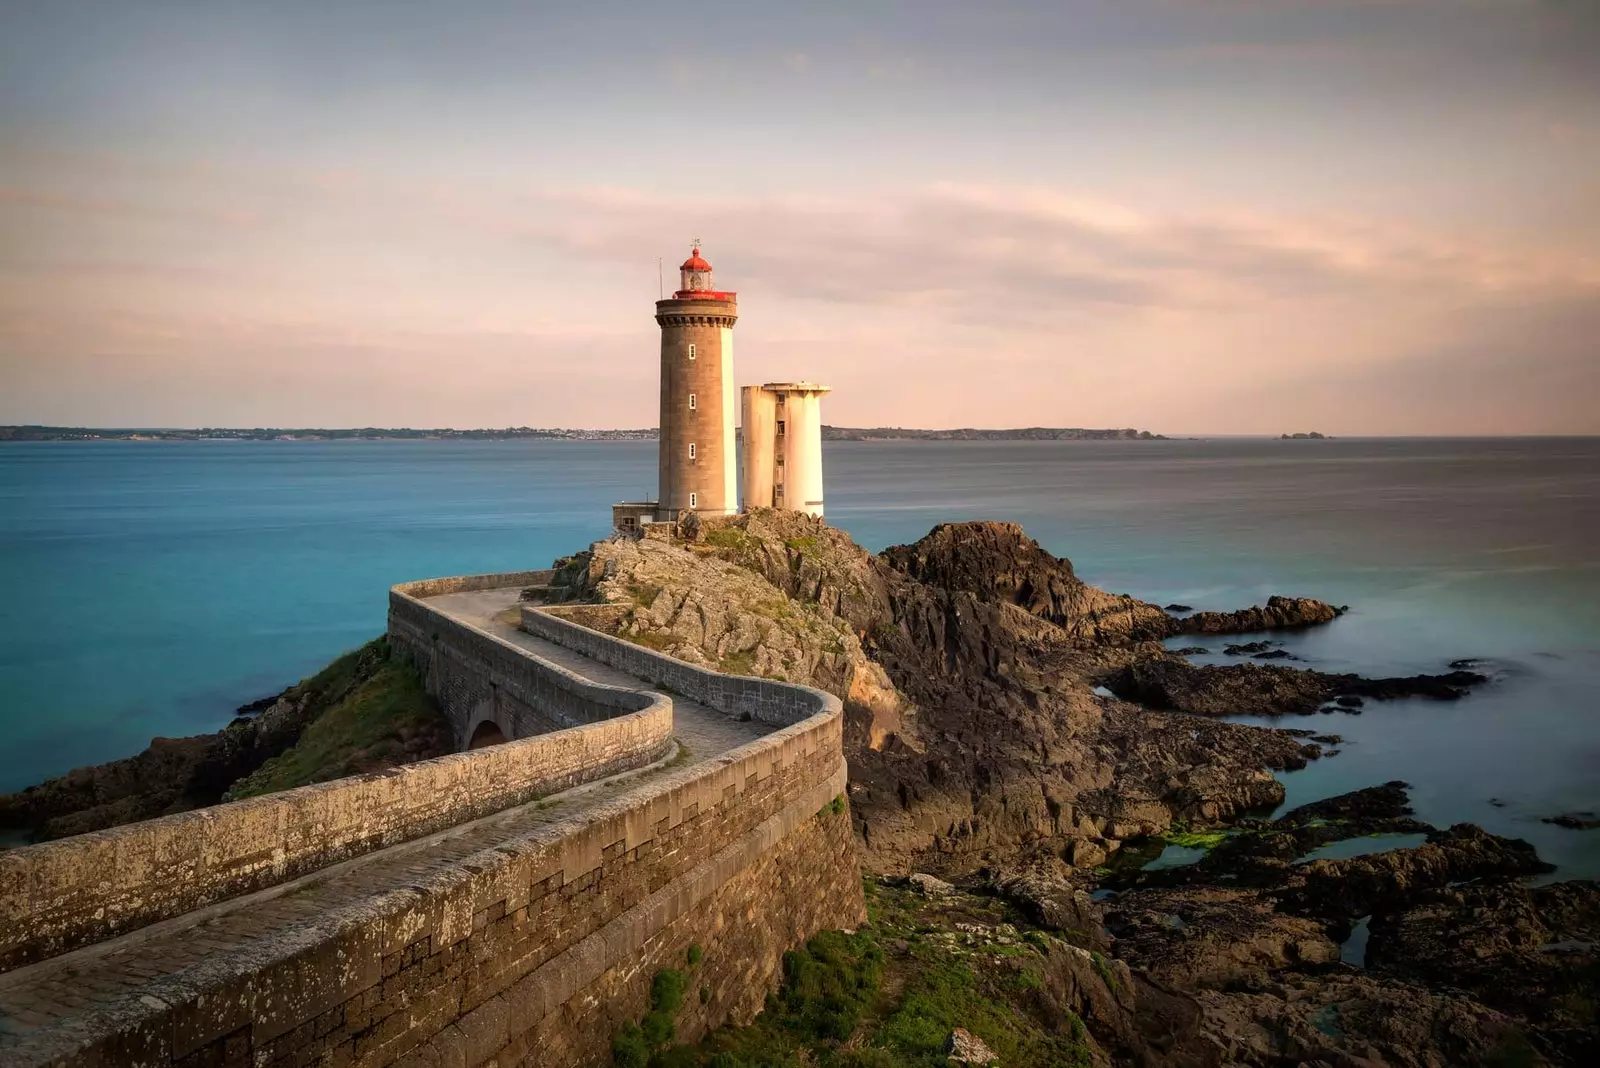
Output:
[[152, 587]]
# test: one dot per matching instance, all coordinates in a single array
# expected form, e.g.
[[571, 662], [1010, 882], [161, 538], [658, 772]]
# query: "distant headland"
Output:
[[829, 433]]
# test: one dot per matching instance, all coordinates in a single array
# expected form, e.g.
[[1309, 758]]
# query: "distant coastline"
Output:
[[829, 433]]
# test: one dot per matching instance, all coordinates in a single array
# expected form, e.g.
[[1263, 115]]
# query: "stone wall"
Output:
[[478, 677], [535, 951], [736, 695], [58, 895]]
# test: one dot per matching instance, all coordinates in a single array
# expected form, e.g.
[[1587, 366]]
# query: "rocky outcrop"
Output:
[[998, 562], [1349, 1020], [1279, 613], [178, 774], [1260, 690], [1466, 964], [1575, 821], [1212, 936], [971, 728], [1362, 885], [698, 606], [1533, 952]]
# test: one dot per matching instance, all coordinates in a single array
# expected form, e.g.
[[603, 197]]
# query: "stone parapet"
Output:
[[535, 951], [777, 703], [56, 896], [477, 677]]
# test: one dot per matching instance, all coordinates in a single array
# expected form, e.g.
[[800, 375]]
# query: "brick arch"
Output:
[[486, 733]]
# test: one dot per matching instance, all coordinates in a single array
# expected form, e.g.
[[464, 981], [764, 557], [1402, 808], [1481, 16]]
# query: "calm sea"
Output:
[[149, 588]]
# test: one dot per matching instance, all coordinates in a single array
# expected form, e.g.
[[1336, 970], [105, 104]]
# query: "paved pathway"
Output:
[[704, 730], [53, 992]]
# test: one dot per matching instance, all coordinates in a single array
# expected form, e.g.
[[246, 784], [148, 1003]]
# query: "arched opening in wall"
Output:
[[486, 733]]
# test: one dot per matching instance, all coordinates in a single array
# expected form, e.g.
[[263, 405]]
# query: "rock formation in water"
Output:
[[178, 774], [1259, 690], [1279, 613]]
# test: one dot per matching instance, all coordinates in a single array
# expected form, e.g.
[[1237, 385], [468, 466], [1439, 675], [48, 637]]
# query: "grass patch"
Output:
[[1195, 839], [735, 541], [378, 716], [742, 662], [889, 995], [643, 594], [659, 640]]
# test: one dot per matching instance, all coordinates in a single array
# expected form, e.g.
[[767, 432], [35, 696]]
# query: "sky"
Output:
[[1188, 216]]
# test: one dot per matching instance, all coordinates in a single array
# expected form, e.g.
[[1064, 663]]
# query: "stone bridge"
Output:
[[509, 904]]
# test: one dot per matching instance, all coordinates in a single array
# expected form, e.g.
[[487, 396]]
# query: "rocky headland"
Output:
[[984, 752], [1069, 849]]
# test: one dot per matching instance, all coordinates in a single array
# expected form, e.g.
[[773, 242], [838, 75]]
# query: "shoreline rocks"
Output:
[[1279, 613], [1259, 690], [1576, 821]]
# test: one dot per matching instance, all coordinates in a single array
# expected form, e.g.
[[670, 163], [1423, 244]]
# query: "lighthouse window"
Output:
[[691, 402], [691, 352], [691, 450], [694, 500]]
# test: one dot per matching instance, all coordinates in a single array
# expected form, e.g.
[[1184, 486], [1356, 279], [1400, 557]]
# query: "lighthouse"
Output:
[[698, 465], [698, 462]]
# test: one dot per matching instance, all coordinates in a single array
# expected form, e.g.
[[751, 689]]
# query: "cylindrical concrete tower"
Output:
[[801, 433], [760, 423], [698, 464]]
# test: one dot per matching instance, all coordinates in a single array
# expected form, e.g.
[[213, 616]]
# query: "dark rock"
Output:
[[999, 564], [1251, 689], [1368, 884], [1052, 900], [1275, 654], [1195, 936], [1191, 650], [1179, 608], [1327, 739], [1340, 1018], [1348, 700], [260, 705], [1003, 754], [1279, 613], [1389, 801], [1533, 952], [1247, 648], [1577, 821]]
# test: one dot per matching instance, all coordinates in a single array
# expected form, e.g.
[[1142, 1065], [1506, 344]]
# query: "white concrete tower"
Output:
[[783, 446], [760, 428], [800, 430]]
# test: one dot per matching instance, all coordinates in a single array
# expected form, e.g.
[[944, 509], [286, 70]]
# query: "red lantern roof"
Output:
[[695, 263]]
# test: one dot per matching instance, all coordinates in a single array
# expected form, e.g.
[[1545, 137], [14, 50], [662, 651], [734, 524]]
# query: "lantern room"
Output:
[[695, 279]]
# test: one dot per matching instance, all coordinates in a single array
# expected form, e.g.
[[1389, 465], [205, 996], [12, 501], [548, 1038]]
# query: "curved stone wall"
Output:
[[777, 703], [55, 896], [477, 677], [536, 950]]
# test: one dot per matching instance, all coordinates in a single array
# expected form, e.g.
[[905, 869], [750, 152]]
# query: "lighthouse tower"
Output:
[[698, 463]]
